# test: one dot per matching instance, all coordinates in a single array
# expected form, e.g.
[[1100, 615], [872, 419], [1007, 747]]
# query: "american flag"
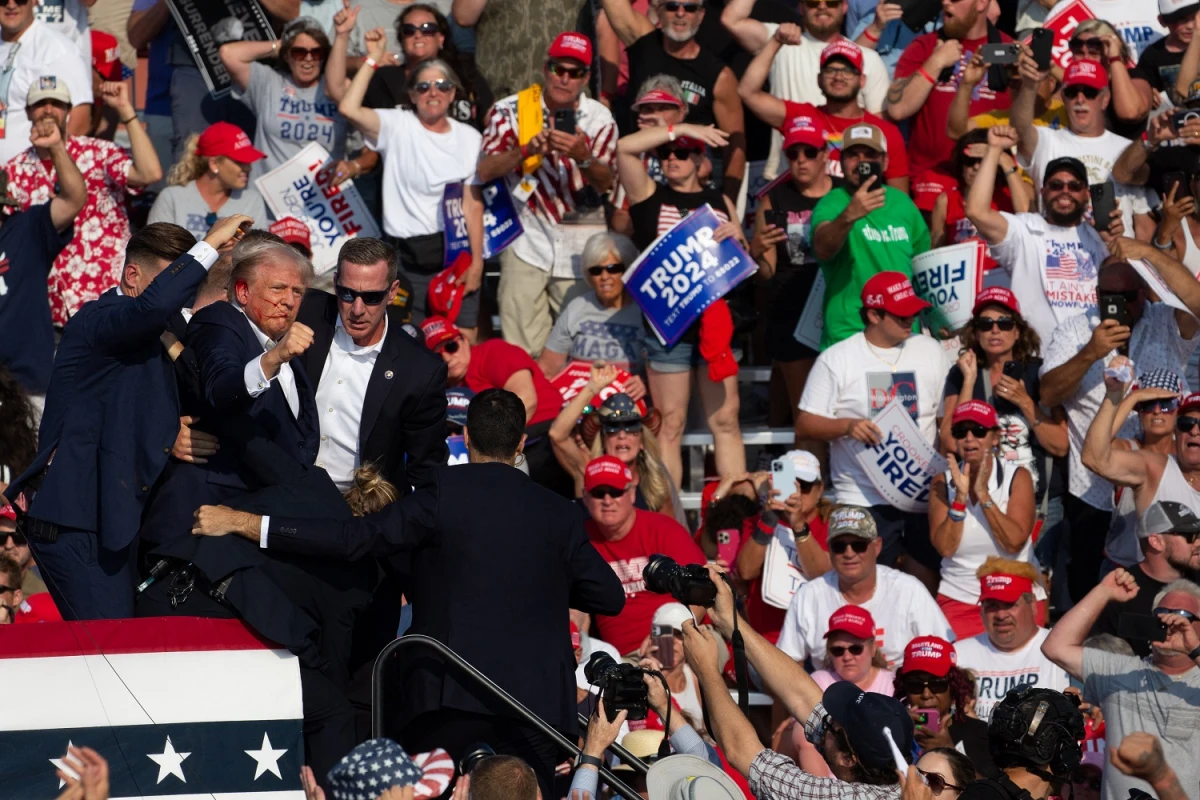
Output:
[[1062, 267]]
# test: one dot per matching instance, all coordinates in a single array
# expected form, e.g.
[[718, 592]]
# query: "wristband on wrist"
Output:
[[957, 516], [870, 38], [958, 505], [131, 119], [921, 71], [372, 63], [1115, 59], [588, 761], [670, 133], [762, 532], [1195, 654]]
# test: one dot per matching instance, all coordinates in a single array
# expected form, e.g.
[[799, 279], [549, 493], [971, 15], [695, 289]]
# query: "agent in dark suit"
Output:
[[111, 420], [497, 563]]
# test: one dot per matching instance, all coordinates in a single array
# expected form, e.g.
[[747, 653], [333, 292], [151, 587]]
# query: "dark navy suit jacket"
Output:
[[223, 341], [112, 410]]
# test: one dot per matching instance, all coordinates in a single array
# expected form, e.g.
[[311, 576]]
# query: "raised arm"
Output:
[[732, 730], [1189, 68], [764, 105], [629, 24], [238, 56], [336, 81], [467, 12], [1175, 275], [1059, 384], [145, 168], [1024, 101], [990, 223], [72, 192], [750, 33], [637, 183], [143, 26], [1064, 645], [1129, 104], [1122, 467], [731, 119], [906, 95], [958, 121], [363, 118]]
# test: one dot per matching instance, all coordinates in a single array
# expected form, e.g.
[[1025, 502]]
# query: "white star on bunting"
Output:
[[61, 762], [267, 759], [169, 762]]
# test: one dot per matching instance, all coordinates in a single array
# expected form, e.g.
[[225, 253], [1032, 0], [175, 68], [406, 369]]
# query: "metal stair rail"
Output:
[[516, 707]]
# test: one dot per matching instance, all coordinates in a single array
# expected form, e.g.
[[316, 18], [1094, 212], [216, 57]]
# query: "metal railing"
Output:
[[510, 702]]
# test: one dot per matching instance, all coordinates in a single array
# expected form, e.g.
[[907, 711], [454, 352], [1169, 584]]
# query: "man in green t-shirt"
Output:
[[856, 236]]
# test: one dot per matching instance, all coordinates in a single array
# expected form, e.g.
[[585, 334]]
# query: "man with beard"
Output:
[[709, 86], [1156, 695], [840, 80], [1051, 258], [928, 74], [796, 74]]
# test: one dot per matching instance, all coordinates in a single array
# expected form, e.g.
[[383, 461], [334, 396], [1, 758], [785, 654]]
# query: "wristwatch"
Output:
[[802, 535], [588, 761], [1195, 654]]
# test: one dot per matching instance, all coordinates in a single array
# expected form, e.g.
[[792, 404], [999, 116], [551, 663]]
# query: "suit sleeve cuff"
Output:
[[263, 527], [255, 379], [204, 253]]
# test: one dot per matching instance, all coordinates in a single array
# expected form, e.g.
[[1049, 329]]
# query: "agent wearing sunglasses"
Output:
[[931, 684], [982, 506], [851, 653], [289, 98]]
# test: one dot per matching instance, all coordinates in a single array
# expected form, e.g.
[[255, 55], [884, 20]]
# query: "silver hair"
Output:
[[1178, 585], [440, 65], [249, 256], [663, 82], [600, 246], [1109, 644]]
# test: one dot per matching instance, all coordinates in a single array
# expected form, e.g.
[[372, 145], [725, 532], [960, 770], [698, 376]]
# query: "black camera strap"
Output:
[[740, 671]]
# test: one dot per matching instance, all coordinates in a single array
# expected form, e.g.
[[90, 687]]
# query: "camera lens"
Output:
[[658, 573], [475, 753], [598, 666]]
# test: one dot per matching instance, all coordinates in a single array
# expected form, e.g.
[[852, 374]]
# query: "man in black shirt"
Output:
[[1168, 556], [1158, 66]]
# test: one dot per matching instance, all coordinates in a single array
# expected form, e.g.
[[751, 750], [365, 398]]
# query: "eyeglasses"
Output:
[[1090, 92], [837, 650], [574, 73], [450, 347], [597, 270], [1057, 185], [409, 30], [937, 783], [306, 53], [672, 7], [18, 539], [985, 324], [857, 545], [601, 492], [914, 685], [442, 85], [1183, 612], [1186, 424], [961, 430], [807, 150], [633, 427], [1165, 406], [1094, 45], [681, 153], [348, 295], [839, 69]]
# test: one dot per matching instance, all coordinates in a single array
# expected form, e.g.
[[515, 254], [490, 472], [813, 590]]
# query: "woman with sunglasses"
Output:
[[946, 771], [604, 324], [939, 695], [982, 506], [424, 150], [654, 209], [851, 653], [288, 98]]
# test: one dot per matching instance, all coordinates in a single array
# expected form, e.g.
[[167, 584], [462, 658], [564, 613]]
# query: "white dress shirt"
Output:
[[340, 397], [257, 381]]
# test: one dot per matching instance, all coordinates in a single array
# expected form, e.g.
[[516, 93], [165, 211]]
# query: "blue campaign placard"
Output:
[[457, 445], [684, 271], [501, 226]]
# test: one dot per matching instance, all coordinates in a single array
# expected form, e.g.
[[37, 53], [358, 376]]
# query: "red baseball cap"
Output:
[[1086, 72], [8, 512], [607, 471], [658, 97], [688, 143], [293, 231], [227, 139], [894, 293], [438, 331], [930, 654], [106, 55], [572, 45], [996, 295], [1190, 403], [1003, 587], [803, 129], [576, 639], [445, 296], [846, 50], [853, 620], [975, 411]]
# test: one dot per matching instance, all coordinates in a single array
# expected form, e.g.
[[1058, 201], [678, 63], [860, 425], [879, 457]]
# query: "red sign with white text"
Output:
[[571, 381]]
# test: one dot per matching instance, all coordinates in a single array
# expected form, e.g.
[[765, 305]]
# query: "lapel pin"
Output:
[[388, 374]]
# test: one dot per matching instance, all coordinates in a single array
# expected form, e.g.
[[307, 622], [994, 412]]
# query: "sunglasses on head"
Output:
[[450, 347], [665, 152], [807, 150], [601, 492], [914, 685], [961, 430], [672, 7], [348, 295], [1166, 405], [574, 73], [1094, 45], [857, 545], [425, 28], [441, 84], [596, 270], [837, 650], [1090, 92], [18, 539], [1186, 424], [306, 53], [1057, 185], [985, 324], [613, 428], [937, 784], [1183, 612]]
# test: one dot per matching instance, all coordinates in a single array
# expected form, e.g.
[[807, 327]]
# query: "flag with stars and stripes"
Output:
[[180, 707]]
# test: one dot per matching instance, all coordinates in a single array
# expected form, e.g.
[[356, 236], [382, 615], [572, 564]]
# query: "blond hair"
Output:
[[190, 166], [652, 476], [370, 491]]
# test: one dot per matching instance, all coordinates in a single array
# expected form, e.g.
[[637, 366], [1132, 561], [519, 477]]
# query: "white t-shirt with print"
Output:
[[902, 609], [854, 379], [1051, 269], [997, 671], [70, 18]]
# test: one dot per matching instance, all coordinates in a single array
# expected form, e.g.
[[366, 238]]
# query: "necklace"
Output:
[[891, 364]]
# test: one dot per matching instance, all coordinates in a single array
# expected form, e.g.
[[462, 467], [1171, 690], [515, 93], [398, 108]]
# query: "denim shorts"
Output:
[[683, 357]]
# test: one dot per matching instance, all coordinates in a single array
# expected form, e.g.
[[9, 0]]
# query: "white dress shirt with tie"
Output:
[[257, 381], [340, 399]]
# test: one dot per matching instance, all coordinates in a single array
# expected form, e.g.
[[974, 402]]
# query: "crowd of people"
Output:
[[408, 443]]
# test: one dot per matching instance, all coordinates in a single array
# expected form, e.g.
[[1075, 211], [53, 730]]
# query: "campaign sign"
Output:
[[903, 464], [501, 226], [457, 445], [208, 24], [781, 576], [1063, 22], [949, 278], [574, 377], [303, 187], [683, 272], [812, 318]]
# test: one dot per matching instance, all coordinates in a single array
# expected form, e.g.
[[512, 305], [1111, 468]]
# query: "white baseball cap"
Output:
[[672, 615], [806, 465], [48, 87], [1169, 8]]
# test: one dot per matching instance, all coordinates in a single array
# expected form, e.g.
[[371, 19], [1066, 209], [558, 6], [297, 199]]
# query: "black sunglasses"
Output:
[[985, 324], [18, 539], [915, 685], [971, 161], [4, 588], [1057, 185], [450, 347], [680, 153], [1190, 537], [838, 650], [574, 73], [441, 84], [857, 545], [1095, 45], [348, 295], [1166, 406], [613, 428], [306, 53], [1090, 92], [1183, 612], [612, 269], [601, 492], [210, 219], [961, 430], [1186, 424], [427, 28], [807, 150], [806, 486], [672, 6], [937, 784]]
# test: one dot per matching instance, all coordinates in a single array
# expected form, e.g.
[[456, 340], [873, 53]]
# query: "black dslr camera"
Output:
[[621, 686], [689, 585]]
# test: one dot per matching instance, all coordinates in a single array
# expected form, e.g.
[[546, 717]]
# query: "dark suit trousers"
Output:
[[85, 580]]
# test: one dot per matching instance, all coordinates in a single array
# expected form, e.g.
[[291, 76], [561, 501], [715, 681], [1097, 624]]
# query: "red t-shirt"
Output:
[[929, 186], [897, 150], [928, 143], [495, 361], [652, 533], [37, 608], [763, 617]]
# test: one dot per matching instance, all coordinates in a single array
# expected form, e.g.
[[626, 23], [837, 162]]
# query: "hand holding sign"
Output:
[[863, 430]]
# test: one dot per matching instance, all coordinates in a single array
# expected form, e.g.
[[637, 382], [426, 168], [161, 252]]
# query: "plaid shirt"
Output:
[[776, 776]]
